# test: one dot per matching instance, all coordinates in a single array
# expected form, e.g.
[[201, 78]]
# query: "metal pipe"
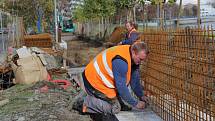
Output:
[[3, 47], [56, 25]]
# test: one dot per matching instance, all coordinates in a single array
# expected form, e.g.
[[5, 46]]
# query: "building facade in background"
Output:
[[206, 10]]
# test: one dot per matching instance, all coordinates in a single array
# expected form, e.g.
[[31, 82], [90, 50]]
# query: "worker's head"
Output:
[[139, 52], [129, 25]]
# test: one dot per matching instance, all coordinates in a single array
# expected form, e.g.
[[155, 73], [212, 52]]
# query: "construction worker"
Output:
[[131, 37], [131, 34], [107, 76]]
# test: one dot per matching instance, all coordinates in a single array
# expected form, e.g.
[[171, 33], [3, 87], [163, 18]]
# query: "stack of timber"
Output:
[[39, 40]]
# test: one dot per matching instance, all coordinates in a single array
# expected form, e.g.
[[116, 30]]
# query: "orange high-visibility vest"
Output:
[[129, 33], [99, 71]]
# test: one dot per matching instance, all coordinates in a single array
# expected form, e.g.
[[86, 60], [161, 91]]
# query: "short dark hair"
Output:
[[139, 46], [132, 24]]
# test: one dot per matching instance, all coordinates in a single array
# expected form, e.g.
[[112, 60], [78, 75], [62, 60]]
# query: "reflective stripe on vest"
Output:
[[99, 71], [107, 68]]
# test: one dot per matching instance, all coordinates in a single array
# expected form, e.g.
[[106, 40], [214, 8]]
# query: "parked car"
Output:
[[4, 31]]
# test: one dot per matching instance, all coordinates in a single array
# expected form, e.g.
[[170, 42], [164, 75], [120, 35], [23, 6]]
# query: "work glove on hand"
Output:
[[145, 99], [140, 105]]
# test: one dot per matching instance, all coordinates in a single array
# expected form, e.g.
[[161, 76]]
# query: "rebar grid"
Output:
[[180, 73]]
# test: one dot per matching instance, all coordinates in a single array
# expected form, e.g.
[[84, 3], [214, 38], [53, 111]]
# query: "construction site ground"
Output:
[[46, 101], [84, 51]]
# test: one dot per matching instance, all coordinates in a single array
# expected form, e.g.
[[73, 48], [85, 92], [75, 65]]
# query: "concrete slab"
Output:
[[145, 115]]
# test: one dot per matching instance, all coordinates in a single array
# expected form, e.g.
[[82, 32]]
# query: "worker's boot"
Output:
[[103, 117], [109, 117], [96, 116]]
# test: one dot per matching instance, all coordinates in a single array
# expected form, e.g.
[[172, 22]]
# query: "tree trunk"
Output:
[[142, 15], [128, 15], [158, 13], [99, 26], [198, 11], [134, 14], [120, 20], [161, 15], [105, 25], [179, 14]]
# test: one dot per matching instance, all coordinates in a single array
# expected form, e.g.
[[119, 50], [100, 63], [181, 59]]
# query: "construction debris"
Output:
[[30, 103], [28, 67], [39, 40], [3, 63], [48, 60]]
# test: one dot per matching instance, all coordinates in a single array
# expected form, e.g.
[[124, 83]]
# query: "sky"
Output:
[[194, 1]]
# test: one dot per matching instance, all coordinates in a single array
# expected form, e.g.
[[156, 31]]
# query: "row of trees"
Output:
[[133, 9], [32, 11], [100, 9]]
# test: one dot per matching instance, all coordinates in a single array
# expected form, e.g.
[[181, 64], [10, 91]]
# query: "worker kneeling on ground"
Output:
[[107, 76]]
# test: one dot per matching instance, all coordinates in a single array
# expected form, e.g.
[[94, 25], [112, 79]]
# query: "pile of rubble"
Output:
[[33, 103], [39, 88]]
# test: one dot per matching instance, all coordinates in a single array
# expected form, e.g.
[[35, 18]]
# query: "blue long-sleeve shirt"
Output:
[[120, 68], [130, 40]]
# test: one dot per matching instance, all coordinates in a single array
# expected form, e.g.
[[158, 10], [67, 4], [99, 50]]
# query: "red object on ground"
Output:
[[48, 77], [65, 83]]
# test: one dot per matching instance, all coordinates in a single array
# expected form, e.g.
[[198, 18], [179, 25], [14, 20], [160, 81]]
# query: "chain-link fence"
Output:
[[96, 28], [11, 35], [11, 31]]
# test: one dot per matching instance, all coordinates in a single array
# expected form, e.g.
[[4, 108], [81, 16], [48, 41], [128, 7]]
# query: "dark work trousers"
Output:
[[96, 102]]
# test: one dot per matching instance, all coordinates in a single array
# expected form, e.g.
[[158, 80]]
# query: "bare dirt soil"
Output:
[[81, 50]]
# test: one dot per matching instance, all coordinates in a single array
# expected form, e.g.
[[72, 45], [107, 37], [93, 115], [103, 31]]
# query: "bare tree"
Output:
[[179, 13], [199, 19]]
